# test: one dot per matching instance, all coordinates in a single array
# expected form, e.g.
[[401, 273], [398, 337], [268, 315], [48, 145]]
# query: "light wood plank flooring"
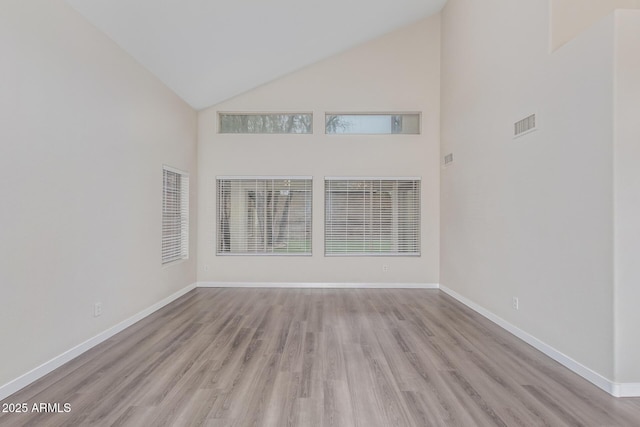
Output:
[[312, 357]]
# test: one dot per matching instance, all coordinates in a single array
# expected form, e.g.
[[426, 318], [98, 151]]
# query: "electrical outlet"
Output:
[[97, 309], [448, 159], [515, 303], [385, 268]]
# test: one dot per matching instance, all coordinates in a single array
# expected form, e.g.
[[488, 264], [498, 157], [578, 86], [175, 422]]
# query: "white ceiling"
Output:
[[208, 51]]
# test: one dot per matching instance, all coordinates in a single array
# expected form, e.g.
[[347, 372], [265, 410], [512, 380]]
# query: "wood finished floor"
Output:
[[311, 357]]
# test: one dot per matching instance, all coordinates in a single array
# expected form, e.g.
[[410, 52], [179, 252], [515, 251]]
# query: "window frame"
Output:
[[417, 199], [220, 114], [181, 252], [308, 220], [327, 114]]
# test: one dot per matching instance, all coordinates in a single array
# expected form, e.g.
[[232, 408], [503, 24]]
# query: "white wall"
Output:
[[569, 18], [530, 217], [398, 72], [84, 131], [627, 196]]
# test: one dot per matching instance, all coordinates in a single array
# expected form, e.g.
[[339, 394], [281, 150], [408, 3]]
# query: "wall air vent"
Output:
[[448, 159], [524, 126]]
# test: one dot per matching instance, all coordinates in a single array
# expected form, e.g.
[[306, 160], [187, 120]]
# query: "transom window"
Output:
[[373, 123], [266, 123], [264, 216]]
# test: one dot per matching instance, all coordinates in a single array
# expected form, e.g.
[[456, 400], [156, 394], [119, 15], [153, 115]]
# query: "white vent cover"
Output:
[[524, 126], [448, 159]]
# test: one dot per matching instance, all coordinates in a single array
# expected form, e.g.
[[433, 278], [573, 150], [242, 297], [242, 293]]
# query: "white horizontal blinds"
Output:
[[175, 215], [372, 216], [266, 123], [264, 216]]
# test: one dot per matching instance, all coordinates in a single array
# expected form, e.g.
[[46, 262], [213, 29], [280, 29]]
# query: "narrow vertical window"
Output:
[[175, 215]]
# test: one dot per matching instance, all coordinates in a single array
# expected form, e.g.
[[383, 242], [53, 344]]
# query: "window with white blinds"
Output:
[[264, 215], [175, 215], [372, 216]]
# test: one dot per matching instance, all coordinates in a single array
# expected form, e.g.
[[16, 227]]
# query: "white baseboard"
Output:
[[626, 389], [311, 285], [614, 389], [42, 370]]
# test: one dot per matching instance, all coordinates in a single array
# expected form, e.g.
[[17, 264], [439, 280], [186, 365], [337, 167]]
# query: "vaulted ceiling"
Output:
[[210, 50]]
